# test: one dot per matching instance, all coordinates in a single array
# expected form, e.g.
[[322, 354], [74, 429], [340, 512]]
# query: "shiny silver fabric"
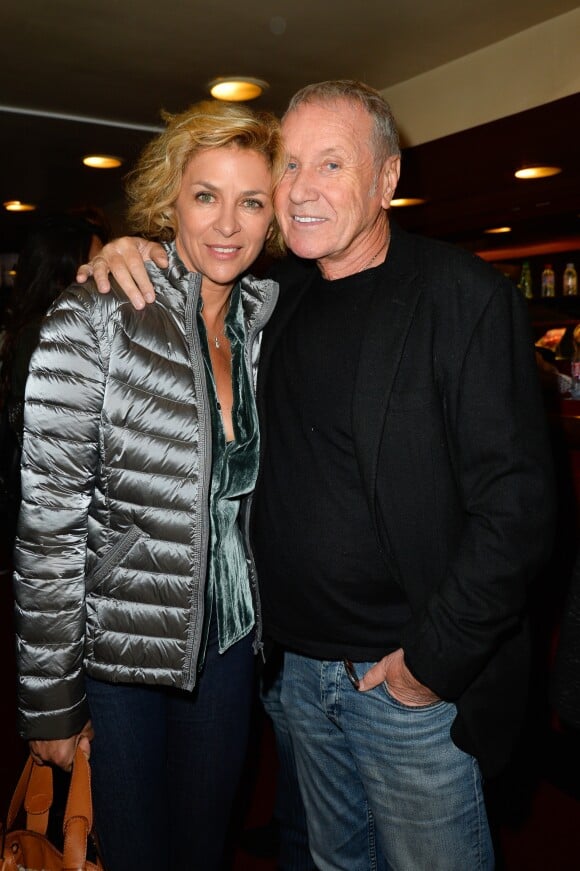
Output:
[[113, 531]]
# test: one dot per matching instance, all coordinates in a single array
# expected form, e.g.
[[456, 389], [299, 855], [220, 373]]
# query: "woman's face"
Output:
[[224, 211]]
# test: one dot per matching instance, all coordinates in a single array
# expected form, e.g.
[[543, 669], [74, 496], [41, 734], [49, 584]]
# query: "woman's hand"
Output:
[[124, 258], [62, 751]]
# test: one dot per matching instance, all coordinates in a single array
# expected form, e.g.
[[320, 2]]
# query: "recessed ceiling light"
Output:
[[537, 171], [407, 201], [102, 161], [17, 206], [237, 88], [493, 230]]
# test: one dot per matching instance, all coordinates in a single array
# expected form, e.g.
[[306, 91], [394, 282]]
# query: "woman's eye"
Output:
[[204, 197], [253, 204], [291, 166]]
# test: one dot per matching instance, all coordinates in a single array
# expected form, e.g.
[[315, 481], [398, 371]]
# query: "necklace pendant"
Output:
[[216, 342]]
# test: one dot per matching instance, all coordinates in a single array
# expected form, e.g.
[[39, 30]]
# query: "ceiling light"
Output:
[[407, 201], [237, 88], [102, 161], [17, 206], [493, 230], [537, 171]]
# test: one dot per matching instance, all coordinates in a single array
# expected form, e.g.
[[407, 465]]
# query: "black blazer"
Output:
[[565, 689], [451, 442]]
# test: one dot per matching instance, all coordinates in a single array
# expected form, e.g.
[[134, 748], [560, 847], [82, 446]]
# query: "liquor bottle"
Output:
[[570, 282], [548, 281], [525, 282]]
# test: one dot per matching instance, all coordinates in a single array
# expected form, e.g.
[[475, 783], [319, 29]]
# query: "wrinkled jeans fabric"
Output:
[[166, 764], [383, 785]]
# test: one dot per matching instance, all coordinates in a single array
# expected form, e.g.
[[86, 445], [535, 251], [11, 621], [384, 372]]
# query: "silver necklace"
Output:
[[216, 339]]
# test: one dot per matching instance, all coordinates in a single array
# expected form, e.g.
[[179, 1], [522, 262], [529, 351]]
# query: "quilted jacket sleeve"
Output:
[[64, 397]]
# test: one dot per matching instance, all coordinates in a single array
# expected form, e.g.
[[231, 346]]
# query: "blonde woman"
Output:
[[136, 607]]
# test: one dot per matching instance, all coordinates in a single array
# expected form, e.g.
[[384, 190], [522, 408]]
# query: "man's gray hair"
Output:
[[385, 137]]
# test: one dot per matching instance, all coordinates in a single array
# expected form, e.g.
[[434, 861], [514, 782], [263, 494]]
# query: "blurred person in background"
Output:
[[47, 264]]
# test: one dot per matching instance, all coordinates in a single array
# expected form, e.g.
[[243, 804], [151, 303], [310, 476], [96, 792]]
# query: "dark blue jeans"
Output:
[[289, 810], [166, 765]]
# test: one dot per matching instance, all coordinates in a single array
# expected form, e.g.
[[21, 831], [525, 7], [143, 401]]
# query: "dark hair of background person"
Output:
[[96, 217], [47, 264]]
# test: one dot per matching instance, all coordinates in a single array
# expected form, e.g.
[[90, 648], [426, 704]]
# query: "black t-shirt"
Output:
[[325, 586]]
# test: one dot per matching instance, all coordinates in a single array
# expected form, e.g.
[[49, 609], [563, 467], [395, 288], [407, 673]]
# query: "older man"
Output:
[[404, 503]]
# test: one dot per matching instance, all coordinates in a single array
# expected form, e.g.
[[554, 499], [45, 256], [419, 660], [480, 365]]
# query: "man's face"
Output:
[[331, 201]]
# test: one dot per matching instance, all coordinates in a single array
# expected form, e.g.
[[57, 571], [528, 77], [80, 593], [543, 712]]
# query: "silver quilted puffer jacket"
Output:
[[114, 526]]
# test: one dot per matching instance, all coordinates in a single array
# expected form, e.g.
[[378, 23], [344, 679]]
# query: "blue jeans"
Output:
[[383, 784], [166, 764], [289, 812]]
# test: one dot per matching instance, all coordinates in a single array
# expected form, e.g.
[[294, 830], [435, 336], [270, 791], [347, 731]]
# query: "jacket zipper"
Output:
[[201, 529], [265, 313]]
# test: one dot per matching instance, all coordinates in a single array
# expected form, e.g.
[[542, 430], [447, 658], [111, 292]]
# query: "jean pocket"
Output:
[[396, 703]]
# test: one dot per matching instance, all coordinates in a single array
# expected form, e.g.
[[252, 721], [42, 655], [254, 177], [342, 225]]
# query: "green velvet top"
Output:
[[234, 472]]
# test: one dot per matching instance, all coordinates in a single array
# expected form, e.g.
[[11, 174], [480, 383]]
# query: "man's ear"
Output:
[[389, 178]]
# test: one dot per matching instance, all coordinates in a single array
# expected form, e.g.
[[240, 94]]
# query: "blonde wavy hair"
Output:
[[153, 186]]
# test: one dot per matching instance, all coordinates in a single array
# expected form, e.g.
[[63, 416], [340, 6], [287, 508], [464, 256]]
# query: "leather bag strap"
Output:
[[78, 815], [38, 798], [34, 792]]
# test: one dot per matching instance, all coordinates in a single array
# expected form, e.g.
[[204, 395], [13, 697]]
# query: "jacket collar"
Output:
[[174, 284]]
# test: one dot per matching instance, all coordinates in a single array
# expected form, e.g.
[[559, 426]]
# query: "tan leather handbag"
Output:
[[29, 848]]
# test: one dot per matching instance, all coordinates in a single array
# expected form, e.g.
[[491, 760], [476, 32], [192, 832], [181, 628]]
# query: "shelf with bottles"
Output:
[[557, 253], [553, 281], [545, 277]]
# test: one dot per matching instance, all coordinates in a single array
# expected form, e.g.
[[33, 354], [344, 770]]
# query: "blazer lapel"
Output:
[[389, 318], [294, 281], [390, 315]]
